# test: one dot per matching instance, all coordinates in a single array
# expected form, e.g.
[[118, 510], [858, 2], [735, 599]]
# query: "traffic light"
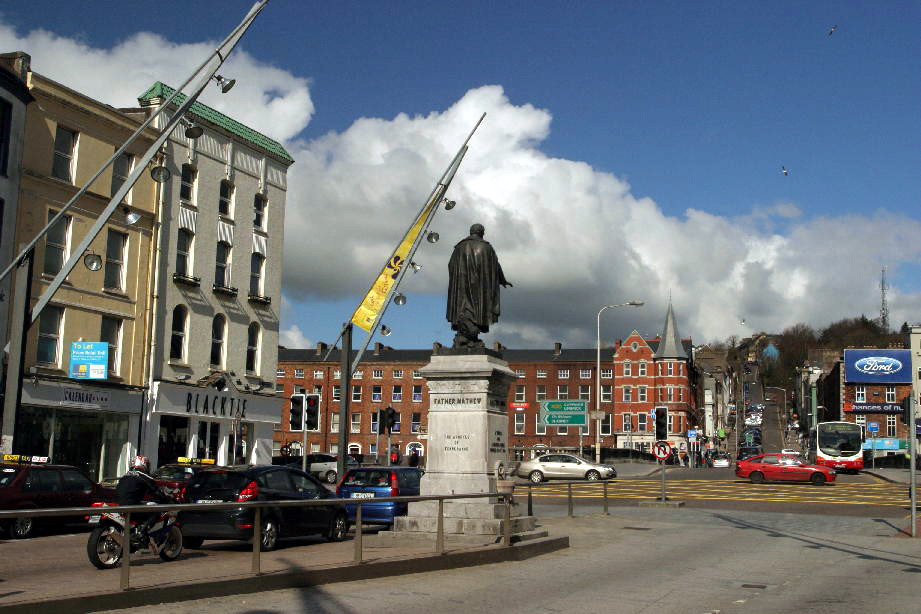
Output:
[[661, 423], [312, 412], [906, 409], [389, 418], [296, 415]]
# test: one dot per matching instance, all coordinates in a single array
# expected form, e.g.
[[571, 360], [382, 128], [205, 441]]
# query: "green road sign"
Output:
[[564, 413], [565, 420], [564, 407]]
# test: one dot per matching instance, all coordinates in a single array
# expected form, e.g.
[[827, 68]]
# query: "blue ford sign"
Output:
[[878, 366]]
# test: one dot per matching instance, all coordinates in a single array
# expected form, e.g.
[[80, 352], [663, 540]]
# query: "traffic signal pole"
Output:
[[345, 380], [912, 465]]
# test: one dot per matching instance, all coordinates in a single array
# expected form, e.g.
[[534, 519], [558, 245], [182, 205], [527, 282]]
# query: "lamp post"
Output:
[[784, 390], [598, 374]]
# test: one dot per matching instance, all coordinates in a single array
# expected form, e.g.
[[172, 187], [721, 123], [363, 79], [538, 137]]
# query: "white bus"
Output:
[[838, 445]]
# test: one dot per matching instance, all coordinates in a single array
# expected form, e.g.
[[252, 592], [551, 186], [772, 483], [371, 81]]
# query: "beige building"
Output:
[[84, 417]]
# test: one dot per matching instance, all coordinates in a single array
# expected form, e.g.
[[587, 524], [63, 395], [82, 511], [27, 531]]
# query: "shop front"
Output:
[[230, 426], [91, 427]]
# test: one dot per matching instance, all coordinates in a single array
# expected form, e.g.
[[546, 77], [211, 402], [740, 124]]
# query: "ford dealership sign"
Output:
[[878, 366]]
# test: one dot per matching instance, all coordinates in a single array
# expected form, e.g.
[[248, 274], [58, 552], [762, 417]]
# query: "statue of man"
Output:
[[474, 277]]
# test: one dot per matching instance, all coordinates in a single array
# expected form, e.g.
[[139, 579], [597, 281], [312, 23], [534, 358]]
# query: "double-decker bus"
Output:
[[838, 445]]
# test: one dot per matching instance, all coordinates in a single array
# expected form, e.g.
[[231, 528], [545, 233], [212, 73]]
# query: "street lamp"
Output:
[[598, 374]]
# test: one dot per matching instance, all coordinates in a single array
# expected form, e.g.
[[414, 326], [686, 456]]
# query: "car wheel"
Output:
[[536, 477], [21, 528], [331, 477], [338, 528], [592, 476], [192, 543], [756, 477], [818, 479], [270, 532]]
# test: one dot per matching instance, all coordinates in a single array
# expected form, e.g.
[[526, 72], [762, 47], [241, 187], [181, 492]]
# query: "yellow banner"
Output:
[[367, 312]]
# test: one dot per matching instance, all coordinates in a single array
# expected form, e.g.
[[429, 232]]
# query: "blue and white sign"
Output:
[[692, 434], [89, 360], [873, 427], [877, 366]]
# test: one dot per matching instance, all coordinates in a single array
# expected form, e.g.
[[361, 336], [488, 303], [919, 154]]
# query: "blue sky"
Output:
[[668, 107]]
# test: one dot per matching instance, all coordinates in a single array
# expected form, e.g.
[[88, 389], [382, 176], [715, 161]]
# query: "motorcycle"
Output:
[[104, 547]]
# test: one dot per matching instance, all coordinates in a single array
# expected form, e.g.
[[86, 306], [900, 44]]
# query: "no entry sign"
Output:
[[662, 450]]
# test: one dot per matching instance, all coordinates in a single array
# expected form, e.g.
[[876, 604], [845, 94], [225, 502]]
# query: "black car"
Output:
[[260, 483], [749, 451]]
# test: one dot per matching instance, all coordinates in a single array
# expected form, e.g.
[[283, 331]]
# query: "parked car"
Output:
[[27, 482], [373, 482], [565, 466], [174, 477], [787, 467], [321, 465], [721, 459], [259, 483]]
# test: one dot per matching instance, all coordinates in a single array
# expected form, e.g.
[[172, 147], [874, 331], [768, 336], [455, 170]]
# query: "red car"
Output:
[[778, 467], [27, 483], [174, 477]]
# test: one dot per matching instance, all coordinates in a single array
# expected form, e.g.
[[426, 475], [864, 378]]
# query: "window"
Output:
[[661, 394], [641, 422], [57, 244], [628, 369], [541, 373], [375, 421], [628, 394], [627, 420], [890, 394], [606, 393], [184, 252], [337, 373], [259, 206], [357, 374], [539, 427], [252, 349], [111, 333], [377, 393], [519, 424], [416, 423], [318, 374], [641, 394], [187, 183], [337, 393], [890, 426], [356, 422], [299, 373], [585, 373], [318, 389], [121, 168], [114, 278], [49, 335], [519, 373], [607, 373], [217, 340], [606, 424], [681, 394], [356, 393], [583, 430], [280, 373], [641, 369], [585, 393], [670, 394], [222, 265], [562, 392], [860, 393], [397, 373], [256, 264], [861, 421], [177, 340], [670, 368], [417, 394], [65, 142], [334, 422], [397, 395], [562, 430], [417, 374], [6, 123], [279, 387], [519, 393], [563, 373], [660, 368], [396, 425], [225, 199], [377, 373], [541, 393]]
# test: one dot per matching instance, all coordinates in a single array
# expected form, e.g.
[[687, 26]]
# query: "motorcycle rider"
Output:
[[135, 486]]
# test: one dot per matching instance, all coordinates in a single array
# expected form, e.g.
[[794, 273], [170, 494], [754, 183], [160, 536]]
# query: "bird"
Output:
[[832, 31], [784, 170]]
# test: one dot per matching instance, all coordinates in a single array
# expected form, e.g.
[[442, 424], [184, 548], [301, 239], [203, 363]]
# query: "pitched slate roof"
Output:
[[203, 111], [670, 345]]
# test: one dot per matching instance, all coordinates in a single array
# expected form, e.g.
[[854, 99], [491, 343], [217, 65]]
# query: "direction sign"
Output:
[[564, 413], [662, 450], [692, 433], [872, 427], [565, 420]]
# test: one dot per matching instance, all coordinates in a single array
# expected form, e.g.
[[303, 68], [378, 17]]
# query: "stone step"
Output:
[[464, 526]]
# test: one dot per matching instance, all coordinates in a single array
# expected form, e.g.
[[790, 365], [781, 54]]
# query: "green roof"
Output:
[[161, 90]]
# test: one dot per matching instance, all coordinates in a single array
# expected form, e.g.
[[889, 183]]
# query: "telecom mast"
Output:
[[883, 306]]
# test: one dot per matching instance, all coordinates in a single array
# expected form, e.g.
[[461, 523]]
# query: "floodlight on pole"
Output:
[[432, 237], [225, 84], [385, 330], [92, 261], [416, 267], [192, 131], [160, 174], [399, 299], [131, 217], [448, 204]]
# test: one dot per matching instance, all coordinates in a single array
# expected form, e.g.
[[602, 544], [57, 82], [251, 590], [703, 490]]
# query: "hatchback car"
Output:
[[373, 482], [324, 466], [721, 459], [565, 466], [786, 467], [260, 483], [27, 483]]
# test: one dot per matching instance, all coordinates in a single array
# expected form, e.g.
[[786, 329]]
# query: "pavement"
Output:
[[894, 475]]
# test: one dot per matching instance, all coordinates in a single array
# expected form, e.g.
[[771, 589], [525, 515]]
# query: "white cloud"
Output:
[[571, 238], [293, 337]]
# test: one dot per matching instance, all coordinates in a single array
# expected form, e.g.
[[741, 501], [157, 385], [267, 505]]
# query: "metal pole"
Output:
[[598, 386], [440, 535], [912, 466], [345, 378], [377, 440], [507, 533], [19, 329], [125, 576], [605, 486], [257, 541], [358, 534], [530, 501], [389, 444], [664, 498], [569, 497]]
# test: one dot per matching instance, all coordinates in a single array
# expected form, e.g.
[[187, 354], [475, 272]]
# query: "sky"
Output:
[[631, 151]]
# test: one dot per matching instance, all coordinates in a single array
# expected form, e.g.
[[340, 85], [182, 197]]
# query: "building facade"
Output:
[[217, 291]]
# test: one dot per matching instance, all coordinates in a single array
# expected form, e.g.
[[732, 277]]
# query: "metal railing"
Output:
[[569, 491], [127, 510]]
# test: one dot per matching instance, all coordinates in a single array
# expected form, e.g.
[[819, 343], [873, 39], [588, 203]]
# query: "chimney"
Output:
[[498, 346], [557, 348], [378, 346], [19, 63], [436, 348], [321, 348]]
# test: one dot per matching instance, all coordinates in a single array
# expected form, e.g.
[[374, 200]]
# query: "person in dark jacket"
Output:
[[136, 486]]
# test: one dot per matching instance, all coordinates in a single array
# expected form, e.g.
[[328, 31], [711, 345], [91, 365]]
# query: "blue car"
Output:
[[373, 482]]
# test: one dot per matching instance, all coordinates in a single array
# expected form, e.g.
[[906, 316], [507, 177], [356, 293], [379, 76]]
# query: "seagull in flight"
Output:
[[783, 169], [832, 31]]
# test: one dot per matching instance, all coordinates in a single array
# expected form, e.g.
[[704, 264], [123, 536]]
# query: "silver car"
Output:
[[565, 466]]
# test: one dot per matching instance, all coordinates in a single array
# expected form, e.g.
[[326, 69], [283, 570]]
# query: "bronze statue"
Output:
[[474, 277]]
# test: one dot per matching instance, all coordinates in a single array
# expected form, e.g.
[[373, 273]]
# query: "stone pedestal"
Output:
[[467, 442]]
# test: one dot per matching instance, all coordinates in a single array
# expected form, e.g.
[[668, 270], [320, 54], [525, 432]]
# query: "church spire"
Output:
[[670, 345]]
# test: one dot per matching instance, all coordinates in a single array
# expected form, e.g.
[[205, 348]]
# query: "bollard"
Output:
[[530, 502], [358, 534], [124, 577], [507, 533], [440, 536], [257, 541], [605, 485], [570, 498]]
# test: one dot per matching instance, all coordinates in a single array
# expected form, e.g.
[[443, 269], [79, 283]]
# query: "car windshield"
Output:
[[220, 480], [173, 472], [7, 475], [373, 477]]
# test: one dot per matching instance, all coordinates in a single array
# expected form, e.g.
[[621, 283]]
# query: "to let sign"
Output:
[[89, 360]]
